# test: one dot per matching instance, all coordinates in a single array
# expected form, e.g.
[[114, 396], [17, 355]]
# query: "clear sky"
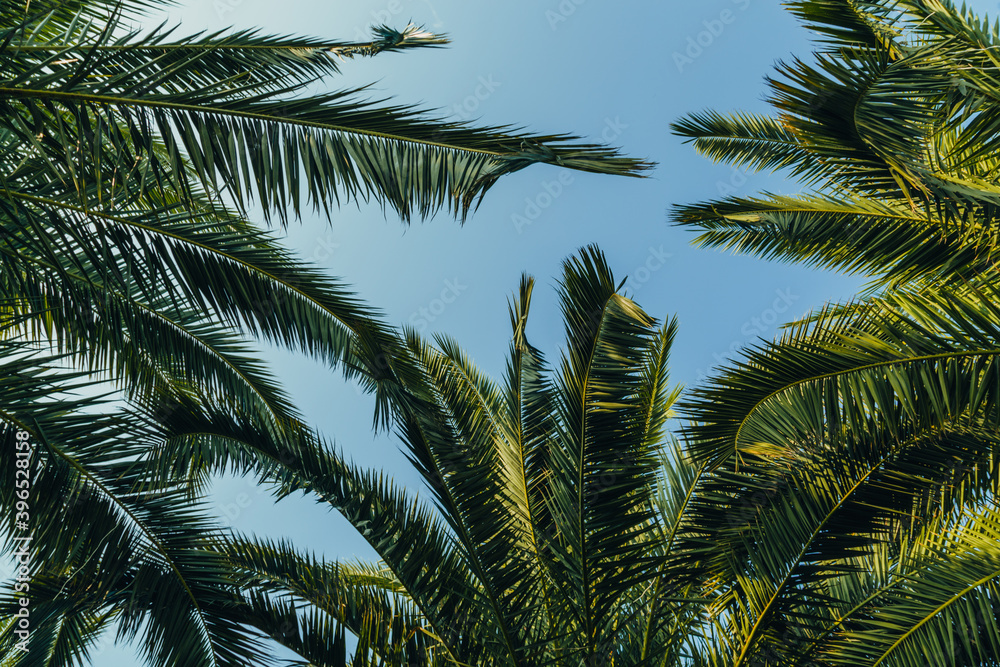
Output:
[[615, 71]]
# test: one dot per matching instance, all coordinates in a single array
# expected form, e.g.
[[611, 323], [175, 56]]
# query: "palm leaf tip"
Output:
[[594, 158], [390, 39]]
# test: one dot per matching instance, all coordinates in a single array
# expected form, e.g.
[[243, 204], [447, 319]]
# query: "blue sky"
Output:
[[614, 71]]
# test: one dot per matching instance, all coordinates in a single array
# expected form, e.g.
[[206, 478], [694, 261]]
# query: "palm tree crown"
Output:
[[128, 163], [849, 503], [557, 499]]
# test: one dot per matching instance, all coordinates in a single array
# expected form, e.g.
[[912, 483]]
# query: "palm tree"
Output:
[[128, 163], [849, 500], [556, 498]]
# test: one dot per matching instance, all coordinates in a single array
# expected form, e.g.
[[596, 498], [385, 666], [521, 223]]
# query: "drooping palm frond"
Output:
[[145, 293], [119, 531], [876, 238], [874, 359], [103, 543], [748, 140], [249, 134], [370, 603], [416, 548]]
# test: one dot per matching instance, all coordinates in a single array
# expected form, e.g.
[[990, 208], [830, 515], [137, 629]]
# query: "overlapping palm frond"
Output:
[[128, 162], [554, 538], [912, 336], [423, 578], [558, 500], [547, 488], [277, 583], [894, 129], [852, 462], [102, 543], [850, 485], [120, 533], [121, 152]]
